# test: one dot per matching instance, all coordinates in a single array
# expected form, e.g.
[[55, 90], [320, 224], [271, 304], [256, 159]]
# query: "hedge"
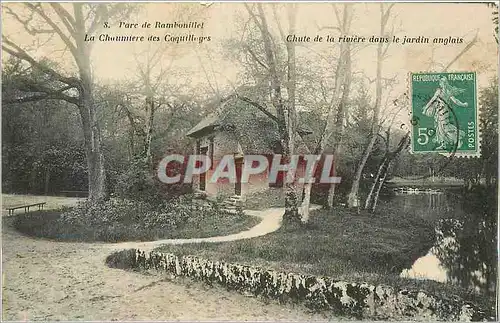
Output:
[[359, 300]]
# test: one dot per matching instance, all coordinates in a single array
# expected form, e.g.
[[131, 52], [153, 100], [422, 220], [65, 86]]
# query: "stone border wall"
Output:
[[359, 300]]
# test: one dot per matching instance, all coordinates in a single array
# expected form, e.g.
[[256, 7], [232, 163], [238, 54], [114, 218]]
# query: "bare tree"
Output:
[[389, 155], [335, 111], [383, 170], [284, 105], [382, 48], [69, 24], [152, 76], [157, 78]]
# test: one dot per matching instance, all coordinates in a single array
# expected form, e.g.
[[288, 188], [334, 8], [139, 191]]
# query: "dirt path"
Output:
[[47, 280], [270, 222]]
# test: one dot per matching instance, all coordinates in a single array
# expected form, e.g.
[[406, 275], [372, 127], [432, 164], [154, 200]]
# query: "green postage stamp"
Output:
[[444, 113]]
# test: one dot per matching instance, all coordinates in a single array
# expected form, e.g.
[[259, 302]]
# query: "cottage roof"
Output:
[[234, 113], [207, 123]]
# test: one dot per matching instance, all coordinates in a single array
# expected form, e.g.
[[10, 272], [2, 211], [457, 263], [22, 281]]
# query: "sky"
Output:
[[204, 65]]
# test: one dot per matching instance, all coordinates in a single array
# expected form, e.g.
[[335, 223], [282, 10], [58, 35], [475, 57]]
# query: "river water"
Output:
[[465, 251]]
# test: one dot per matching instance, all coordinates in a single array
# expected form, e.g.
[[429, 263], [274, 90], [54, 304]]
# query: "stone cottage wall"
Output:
[[225, 144], [358, 300]]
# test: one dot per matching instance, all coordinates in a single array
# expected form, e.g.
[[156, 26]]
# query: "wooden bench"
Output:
[[26, 207]]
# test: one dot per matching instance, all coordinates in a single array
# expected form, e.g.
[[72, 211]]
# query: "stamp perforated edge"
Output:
[[459, 154]]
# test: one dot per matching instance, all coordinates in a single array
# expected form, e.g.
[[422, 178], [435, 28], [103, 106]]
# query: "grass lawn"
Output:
[[273, 197], [118, 221], [341, 244], [45, 224], [53, 202]]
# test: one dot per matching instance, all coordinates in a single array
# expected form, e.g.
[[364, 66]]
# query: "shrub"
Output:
[[161, 215], [137, 183], [140, 183]]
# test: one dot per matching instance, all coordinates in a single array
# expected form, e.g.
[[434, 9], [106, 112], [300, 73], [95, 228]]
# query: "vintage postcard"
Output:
[[249, 161]]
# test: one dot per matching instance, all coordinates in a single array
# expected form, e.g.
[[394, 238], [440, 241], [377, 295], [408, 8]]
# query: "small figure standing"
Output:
[[447, 134]]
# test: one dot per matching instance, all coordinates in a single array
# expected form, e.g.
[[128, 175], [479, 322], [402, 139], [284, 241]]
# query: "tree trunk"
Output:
[[291, 201], [306, 193], [331, 195], [372, 199], [47, 180], [286, 119], [342, 77], [92, 139], [339, 122], [87, 108], [385, 159], [131, 134], [291, 215], [71, 33], [95, 157], [380, 184], [373, 189], [352, 200], [146, 153], [306, 202]]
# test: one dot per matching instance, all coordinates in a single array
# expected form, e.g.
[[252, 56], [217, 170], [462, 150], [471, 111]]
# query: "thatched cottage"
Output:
[[237, 128]]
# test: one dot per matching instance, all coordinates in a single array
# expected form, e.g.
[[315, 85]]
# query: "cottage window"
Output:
[[198, 147]]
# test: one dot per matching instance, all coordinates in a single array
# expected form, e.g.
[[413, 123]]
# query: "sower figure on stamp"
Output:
[[447, 134]]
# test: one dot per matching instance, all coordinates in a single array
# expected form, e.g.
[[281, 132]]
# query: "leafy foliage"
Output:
[[494, 18], [42, 145]]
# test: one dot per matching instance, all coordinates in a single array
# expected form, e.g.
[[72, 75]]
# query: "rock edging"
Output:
[[359, 300]]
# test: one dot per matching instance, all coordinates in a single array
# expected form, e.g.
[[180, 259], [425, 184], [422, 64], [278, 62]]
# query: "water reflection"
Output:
[[431, 204], [465, 250]]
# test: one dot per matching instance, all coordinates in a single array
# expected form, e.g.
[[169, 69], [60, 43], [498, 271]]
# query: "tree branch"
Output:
[[67, 41], [66, 18], [469, 45], [47, 95], [33, 86], [22, 54], [253, 16], [254, 56], [337, 14], [101, 13], [258, 106], [278, 23], [384, 139], [25, 23]]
